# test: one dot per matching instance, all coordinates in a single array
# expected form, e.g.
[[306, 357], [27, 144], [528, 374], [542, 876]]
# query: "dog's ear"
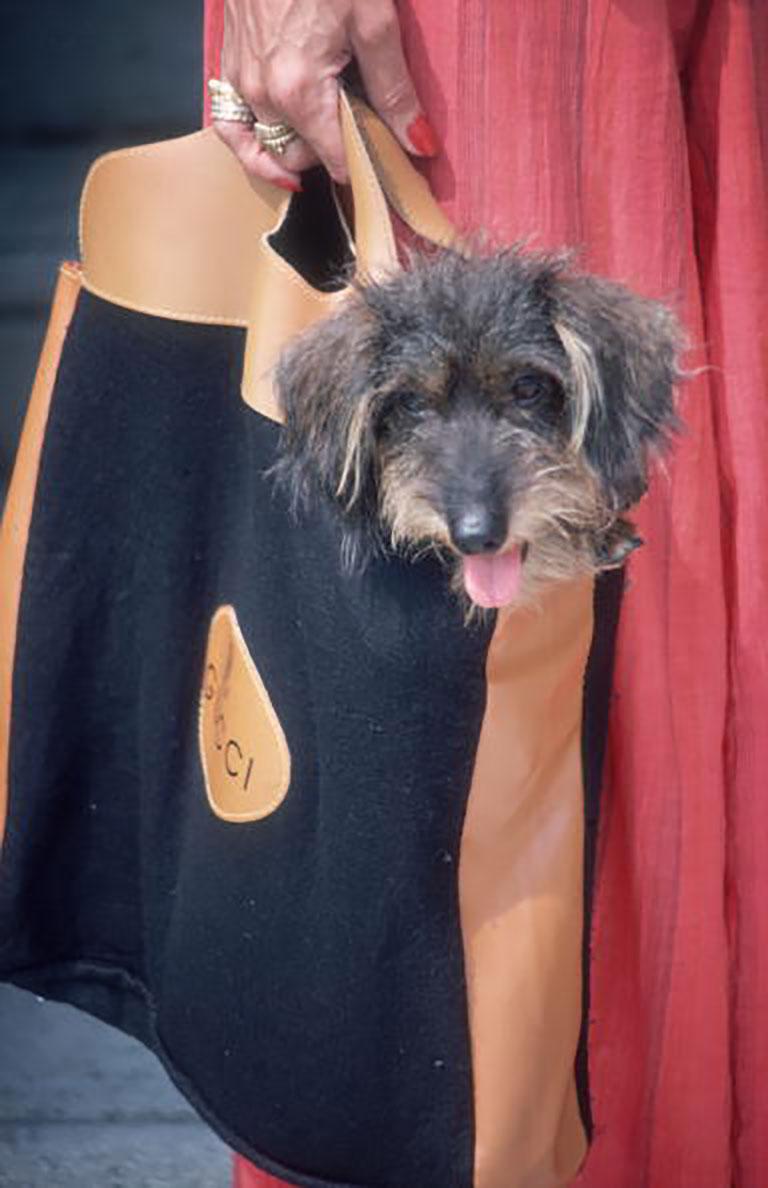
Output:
[[623, 352], [326, 390]]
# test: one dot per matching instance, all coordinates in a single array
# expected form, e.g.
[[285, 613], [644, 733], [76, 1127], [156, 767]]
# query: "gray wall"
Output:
[[79, 77]]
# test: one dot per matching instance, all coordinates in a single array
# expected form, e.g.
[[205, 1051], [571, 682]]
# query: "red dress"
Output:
[[638, 132]]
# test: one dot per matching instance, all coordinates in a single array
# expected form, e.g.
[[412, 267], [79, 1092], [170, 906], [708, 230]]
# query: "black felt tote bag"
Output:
[[314, 839]]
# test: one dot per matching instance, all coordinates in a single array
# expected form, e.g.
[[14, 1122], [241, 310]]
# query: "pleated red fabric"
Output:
[[637, 131]]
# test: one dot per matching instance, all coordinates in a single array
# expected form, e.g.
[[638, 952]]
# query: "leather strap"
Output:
[[404, 187], [175, 229], [374, 237]]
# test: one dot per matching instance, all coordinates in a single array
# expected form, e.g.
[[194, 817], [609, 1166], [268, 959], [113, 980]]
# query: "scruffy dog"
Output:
[[500, 410]]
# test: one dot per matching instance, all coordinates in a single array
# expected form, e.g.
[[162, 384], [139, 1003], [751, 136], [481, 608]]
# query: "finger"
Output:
[[255, 160], [280, 168], [309, 99], [379, 51], [296, 156]]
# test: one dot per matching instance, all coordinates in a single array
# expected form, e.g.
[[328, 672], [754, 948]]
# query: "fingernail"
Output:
[[284, 184], [422, 137]]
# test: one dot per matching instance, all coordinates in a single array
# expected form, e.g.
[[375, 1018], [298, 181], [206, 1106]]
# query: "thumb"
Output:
[[389, 87]]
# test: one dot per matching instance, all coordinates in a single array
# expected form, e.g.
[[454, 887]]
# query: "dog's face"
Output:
[[501, 410]]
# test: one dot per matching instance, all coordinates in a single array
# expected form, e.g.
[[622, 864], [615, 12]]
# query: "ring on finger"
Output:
[[227, 105], [275, 138]]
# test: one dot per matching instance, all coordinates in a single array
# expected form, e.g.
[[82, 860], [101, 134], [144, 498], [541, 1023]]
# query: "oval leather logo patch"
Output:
[[245, 757]]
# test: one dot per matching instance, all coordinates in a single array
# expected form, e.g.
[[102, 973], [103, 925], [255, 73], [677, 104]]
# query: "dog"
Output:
[[502, 410]]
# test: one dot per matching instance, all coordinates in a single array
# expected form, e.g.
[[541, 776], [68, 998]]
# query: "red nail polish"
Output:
[[422, 137], [284, 184]]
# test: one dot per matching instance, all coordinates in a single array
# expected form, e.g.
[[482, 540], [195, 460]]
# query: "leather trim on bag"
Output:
[[172, 229], [245, 757], [175, 230], [521, 895], [279, 311], [14, 530]]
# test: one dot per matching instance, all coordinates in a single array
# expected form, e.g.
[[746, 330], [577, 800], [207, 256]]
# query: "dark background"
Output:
[[81, 1106], [78, 77]]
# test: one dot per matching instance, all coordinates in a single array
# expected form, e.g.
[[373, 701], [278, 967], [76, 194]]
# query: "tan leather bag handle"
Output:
[[405, 188], [380, 175], [378, 164]]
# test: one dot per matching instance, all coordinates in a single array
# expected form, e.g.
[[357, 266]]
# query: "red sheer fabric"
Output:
[[248, 1176], [639, 132]]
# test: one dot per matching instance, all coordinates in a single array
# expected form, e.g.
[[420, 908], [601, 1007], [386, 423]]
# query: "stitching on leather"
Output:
[[160, 311]]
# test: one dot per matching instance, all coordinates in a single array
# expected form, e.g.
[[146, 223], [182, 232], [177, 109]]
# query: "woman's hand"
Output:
[[284, 57]]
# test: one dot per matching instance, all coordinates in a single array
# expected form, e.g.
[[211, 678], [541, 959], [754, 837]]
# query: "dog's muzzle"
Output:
[[478, 530], [491, 569]]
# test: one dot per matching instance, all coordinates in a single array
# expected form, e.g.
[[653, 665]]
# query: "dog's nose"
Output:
[[479, 530]]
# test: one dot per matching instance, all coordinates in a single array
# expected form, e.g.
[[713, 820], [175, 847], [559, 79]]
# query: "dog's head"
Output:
[[504, 409]]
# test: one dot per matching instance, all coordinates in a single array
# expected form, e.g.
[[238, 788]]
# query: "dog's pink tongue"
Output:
[[493, 579]]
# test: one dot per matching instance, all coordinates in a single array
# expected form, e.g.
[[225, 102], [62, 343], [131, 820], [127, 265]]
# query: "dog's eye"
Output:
[[407, 402], [530, 387], [396, 408]]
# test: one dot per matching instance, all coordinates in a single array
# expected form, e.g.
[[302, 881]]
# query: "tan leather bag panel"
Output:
[[173, 229], [521, 887]]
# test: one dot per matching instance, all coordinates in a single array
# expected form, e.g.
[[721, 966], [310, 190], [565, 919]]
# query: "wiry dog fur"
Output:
[[475, 405]]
